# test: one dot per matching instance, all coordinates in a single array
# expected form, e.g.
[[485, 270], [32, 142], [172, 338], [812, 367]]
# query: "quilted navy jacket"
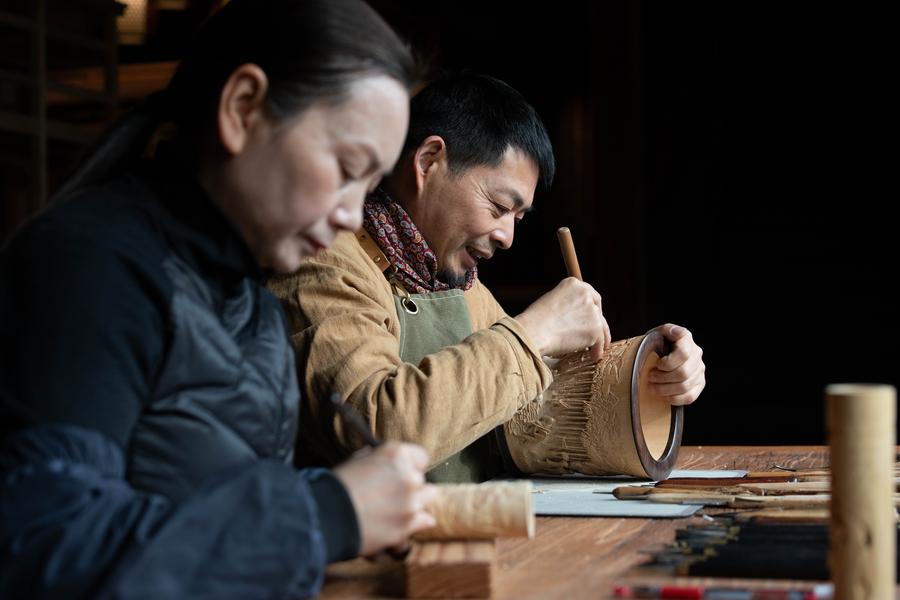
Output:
[[150, 407]]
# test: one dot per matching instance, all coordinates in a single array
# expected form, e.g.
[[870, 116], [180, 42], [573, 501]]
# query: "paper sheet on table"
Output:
[[585, 503], [588, 496]]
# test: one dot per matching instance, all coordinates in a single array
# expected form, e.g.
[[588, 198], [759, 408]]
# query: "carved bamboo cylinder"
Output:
[[600, 418]]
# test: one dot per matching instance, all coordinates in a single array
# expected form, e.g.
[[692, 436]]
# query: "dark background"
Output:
[[716, 166], [722, 166]]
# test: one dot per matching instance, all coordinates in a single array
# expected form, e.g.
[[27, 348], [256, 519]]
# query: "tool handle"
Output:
[[568, 252]]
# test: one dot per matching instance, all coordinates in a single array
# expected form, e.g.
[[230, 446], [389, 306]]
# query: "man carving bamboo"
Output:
[[395, 319]]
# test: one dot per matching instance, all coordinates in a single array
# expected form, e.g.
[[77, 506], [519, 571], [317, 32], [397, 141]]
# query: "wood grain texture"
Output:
[[451, 569], [574, 558], [754, 458]]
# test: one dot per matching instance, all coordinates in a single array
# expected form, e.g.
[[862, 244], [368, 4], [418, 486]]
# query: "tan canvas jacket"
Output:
[[346, 336]]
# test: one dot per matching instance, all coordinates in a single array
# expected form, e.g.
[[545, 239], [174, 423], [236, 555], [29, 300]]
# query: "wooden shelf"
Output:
[[56, 130], [16, 22], [135, 81], [24, 24], [17, 77], [64, 93], [51, 114], [60, 92]]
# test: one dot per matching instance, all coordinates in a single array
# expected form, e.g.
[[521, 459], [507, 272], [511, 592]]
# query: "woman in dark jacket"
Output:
[[148, 388]]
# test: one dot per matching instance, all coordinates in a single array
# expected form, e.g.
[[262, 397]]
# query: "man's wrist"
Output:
[[533, 331]]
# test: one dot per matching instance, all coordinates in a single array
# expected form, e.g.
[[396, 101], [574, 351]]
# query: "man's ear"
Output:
[[429, 156], [241, 106]]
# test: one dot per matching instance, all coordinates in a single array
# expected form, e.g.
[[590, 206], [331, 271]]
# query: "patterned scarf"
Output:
[[399, 238]]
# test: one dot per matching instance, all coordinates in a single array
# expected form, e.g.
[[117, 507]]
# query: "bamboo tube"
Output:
[[481, 511], [600, 418], [861, 431]]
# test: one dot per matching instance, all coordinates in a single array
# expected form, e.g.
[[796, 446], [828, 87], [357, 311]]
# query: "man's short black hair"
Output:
[[479, 117]]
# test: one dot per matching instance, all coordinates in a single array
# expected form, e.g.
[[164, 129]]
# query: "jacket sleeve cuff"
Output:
[[536, 376], [337, 516]]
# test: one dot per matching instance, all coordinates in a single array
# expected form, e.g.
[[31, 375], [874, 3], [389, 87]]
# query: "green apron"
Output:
[[429, 322]]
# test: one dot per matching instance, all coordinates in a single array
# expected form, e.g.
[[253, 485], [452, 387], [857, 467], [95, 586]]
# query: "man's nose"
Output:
[[503, 235]]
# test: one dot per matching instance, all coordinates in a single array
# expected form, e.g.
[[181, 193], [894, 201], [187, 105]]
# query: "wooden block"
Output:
[[456, 569]]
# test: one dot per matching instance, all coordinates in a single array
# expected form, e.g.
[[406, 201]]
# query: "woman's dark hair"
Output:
[[310, 50], [479, 117]]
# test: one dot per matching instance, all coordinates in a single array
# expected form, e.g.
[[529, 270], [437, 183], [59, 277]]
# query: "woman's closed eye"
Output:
[[349, 174]]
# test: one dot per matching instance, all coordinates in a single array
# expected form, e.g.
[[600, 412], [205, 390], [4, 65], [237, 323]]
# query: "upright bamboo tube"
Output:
[[861, 430]]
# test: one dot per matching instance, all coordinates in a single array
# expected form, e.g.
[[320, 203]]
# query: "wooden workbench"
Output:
[[578, 557]]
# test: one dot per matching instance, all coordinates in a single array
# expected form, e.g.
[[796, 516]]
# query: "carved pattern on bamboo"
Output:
[[575, 425]]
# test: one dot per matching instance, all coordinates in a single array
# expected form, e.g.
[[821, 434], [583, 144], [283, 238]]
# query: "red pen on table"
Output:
[[659, 591]]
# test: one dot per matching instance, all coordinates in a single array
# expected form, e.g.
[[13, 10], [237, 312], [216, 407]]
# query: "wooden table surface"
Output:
[[579, 557]]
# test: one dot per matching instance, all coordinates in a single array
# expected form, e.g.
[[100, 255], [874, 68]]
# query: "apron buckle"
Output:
[[408, 304]]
